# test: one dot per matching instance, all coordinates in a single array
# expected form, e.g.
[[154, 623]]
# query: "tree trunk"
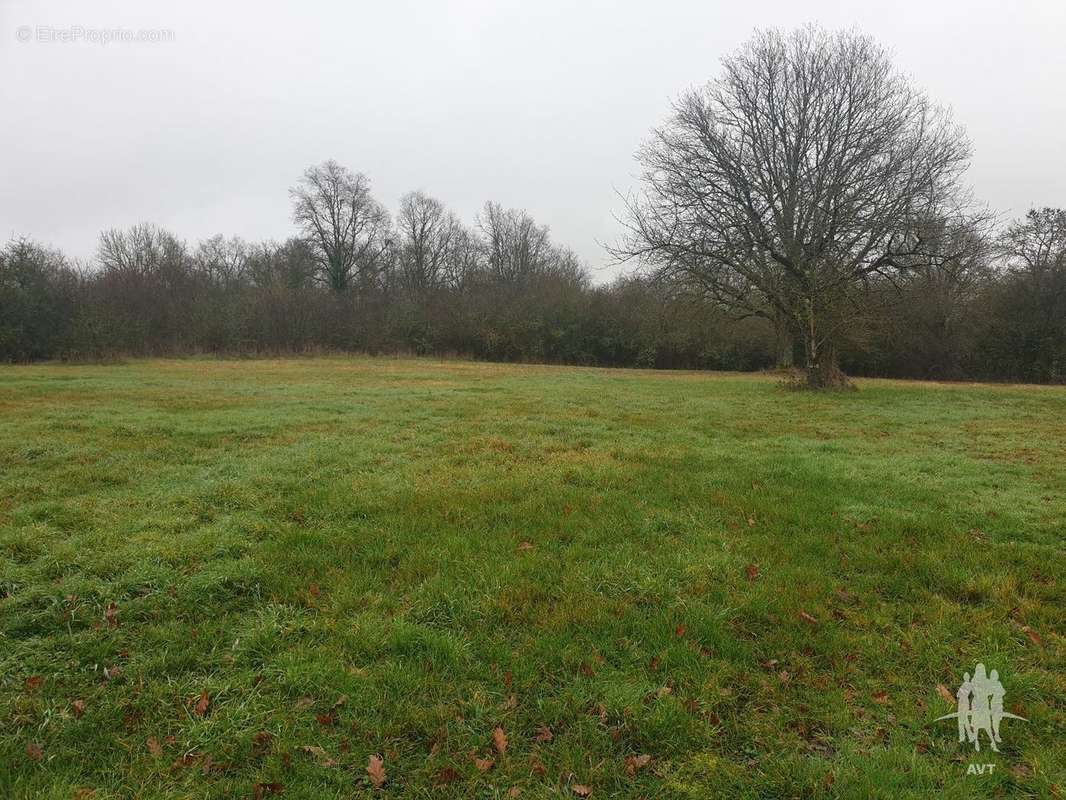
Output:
[[823, 362]]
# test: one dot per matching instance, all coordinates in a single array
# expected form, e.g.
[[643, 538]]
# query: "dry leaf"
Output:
[[314, 590], [261, 790], [111, 615], [514, 791], [499, 739], [543, 734], [201, 704], [634, 763], [375, 768], [536, 766], [34, 752], [445, 776], [581, 790], [83, 794], [32, 683], [945, 692], [752, 571], [483, 764], [679, 631], [154, 747], [880, 697], [810, 620], [78, 707], [1032, 635], [523, 546]]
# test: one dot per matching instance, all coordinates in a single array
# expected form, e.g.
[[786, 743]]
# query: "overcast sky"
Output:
[[537, 104]]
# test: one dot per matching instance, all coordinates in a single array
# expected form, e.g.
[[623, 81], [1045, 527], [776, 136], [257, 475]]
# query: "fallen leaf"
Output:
[[945, 692], [509, 703], [154, 747], [523, 546], [634, 763], [340, 701], [261, 790], [111, 615], [679, 631], [653, 665], [514, 791], [34, 752], [112, 673], [810, 620], [78, 707], [314, 590], [32, 683], [445, 776], [323, 757], [83, 794], [483, 764], [543, 734], [326, 720], [201, 704], [581, 790], [1032, 635], [880, 697], [375, 768], [752, 571], [499, 739]]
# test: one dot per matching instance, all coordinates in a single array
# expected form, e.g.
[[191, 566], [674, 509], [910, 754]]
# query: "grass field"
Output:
[[238, 578]]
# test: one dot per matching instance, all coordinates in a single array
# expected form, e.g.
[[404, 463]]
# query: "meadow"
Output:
[[352, 577]]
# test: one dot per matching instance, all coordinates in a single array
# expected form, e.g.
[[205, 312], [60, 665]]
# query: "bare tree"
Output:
[[346, 227], [223, 262], [808, 167], [427, 236], [516, 247], [140, 251]]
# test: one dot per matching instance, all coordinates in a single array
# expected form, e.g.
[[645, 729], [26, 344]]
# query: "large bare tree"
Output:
[[347, 228], [428, 236], [808, 167]]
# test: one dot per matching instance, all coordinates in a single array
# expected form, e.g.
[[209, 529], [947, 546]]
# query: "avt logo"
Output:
[[980, 709]]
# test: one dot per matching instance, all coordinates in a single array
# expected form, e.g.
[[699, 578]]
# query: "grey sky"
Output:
[[537, 104]]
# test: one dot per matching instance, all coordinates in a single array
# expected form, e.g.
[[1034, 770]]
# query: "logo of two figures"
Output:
[[980, 708]]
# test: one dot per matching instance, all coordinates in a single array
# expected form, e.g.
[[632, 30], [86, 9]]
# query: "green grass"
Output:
[[283, 534]]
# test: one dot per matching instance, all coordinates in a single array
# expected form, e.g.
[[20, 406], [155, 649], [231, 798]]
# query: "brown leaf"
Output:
[[340, 701], [499, 740], [524, 546], [543, 734], [508, 679], [679, 631], [445, 776], [83, 794], [945, 692], [580, 790], [34, 752], [201, 704], [514, 791], [111, 615], [323, 757], [314, 590], [261, 790], [483, 764], [752, 571], [154, 747], [536, 766], [78, 707], [653, 665], [326, 720], [1032, 635], [810, 620], [509, 703], [880, 697], [32, 683], [375, 768], [262, 740], [634, 763]]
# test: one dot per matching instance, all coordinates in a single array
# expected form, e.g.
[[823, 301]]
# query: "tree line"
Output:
[[804, 208]]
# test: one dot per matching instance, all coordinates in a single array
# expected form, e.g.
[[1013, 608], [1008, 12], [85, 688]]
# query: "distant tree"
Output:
[[140, 251], [807, 168], [348, 230], [1026, 337], [515, 246], [223, 262], [426, 239]]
